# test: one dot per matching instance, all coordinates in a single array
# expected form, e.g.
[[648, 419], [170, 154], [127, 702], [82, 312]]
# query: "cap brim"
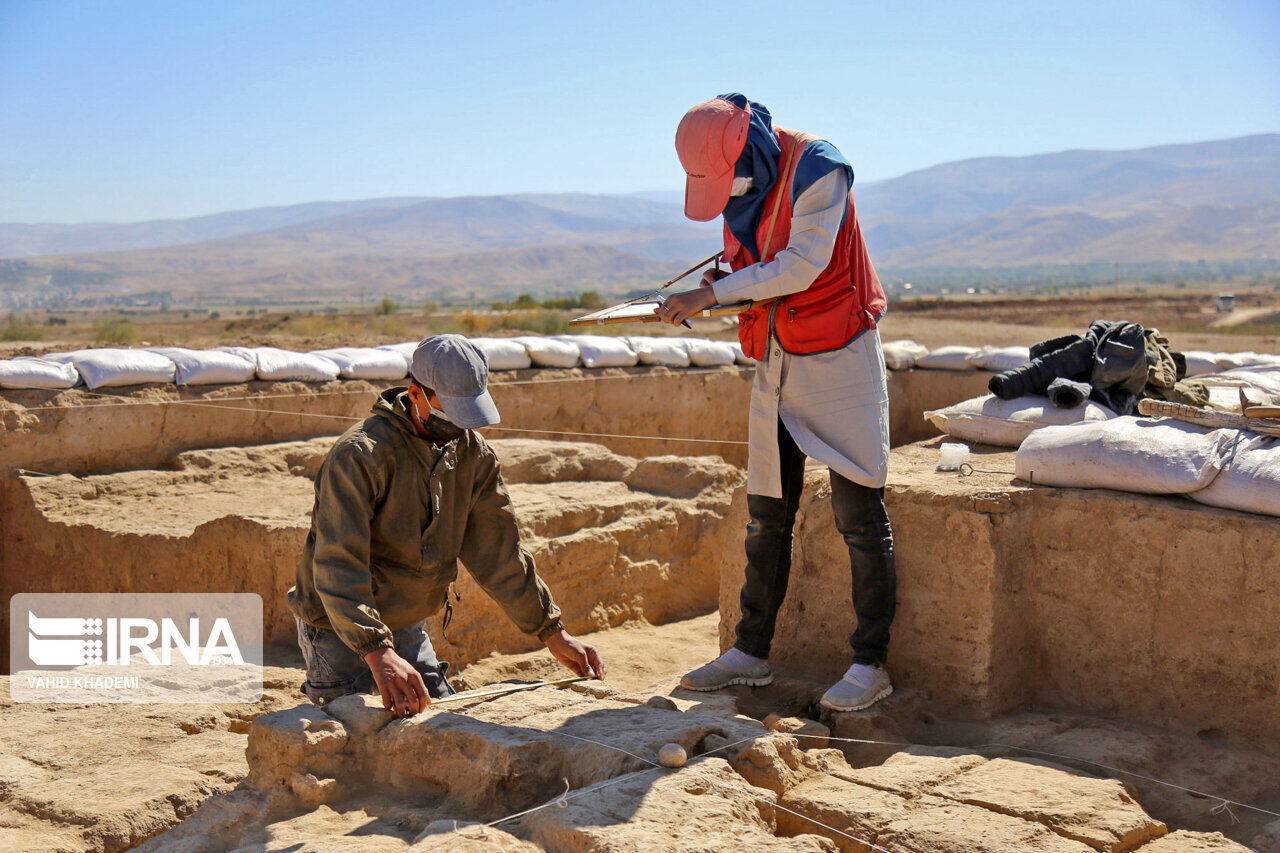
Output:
[[470, 412], [705, 198]]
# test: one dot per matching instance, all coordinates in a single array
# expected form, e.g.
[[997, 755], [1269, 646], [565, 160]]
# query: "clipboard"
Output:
[[642, 312]]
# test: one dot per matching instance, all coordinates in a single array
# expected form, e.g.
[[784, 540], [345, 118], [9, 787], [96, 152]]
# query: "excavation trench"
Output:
[[1040, 653]]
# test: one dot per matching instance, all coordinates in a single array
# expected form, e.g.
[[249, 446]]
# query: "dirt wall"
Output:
[[1142, 608], [616, 538], [145, 426]]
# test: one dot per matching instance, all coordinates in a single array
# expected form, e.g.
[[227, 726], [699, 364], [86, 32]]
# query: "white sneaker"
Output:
[[732, 667], [861, 687]]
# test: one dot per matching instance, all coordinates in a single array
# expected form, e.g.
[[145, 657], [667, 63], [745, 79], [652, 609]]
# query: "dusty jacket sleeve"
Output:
[[815, 221], [492, 553], [347, 493]]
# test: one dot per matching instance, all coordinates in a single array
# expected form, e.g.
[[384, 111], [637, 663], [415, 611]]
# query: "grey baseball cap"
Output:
[[458, 371]]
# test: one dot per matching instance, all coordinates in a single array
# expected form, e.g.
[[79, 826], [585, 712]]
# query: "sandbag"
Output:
[[109, 368], [31, 372], [668, 352], [207, 367], [366, 362], [282, 365], [740, 357], [601, 350], [1200, 362], [903, 355], [948, 358], [503, 353], [549, 352], [704, 353], [1000, 359], [1005, 423], [1250, 477], [1233, 360], [1143, 455], [404, 350]]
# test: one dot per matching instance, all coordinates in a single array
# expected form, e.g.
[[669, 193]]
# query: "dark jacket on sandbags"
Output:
[[393, 514], [1118, 360]]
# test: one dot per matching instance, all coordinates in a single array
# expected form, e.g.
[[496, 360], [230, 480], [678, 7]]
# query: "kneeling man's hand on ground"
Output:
[[575, 654], [403, 691]]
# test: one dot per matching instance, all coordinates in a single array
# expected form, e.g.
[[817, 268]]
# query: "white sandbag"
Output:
[[740, 357], [109, 368], [549, 352], [1249, 480], [365, 362], [601, 350], [1200, 362], [1000, 359], [282, 365], [704, 353], [948, 358], [30, 372], [503, 353], [667, 352], [1144, 455], [1233, 360], [404, 350], [1005, 423], [903, 355], [207, 367]]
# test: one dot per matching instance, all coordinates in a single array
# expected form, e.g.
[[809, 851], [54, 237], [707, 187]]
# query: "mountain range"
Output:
[[1210, 200]]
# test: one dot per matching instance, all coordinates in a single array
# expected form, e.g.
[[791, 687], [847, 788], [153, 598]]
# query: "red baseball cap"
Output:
[[709, 140]]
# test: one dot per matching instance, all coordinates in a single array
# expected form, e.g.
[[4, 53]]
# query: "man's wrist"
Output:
[[550, 630]]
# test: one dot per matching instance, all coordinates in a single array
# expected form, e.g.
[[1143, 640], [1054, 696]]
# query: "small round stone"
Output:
[[672, 755]]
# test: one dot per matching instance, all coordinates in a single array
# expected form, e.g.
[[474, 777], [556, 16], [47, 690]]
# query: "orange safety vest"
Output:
[[844, 300]]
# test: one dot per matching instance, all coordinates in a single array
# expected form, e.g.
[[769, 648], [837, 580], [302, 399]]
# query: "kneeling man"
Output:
[[401, 497]]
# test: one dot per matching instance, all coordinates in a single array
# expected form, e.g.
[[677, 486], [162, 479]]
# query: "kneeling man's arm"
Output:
[[504, 568]]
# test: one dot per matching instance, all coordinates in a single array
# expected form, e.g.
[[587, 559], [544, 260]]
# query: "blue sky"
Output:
[[130, 110]]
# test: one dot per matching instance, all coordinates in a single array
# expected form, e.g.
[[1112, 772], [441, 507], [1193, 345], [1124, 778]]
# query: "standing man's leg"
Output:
[[768, 549], [863, 521], [768, 546]]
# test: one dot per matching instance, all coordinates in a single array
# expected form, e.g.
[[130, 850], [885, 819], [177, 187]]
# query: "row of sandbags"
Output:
[[906, 354], [110, 367]]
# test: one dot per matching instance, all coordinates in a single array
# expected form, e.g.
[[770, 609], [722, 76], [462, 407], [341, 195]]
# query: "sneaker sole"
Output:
[[831, 706], [733, 682]]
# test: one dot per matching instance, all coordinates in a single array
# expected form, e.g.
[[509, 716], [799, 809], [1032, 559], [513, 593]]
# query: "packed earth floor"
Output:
[[579, 763]]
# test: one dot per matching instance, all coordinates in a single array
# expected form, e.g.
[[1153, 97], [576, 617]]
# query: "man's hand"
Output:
[[711, 275], [575, 654], [403, 692], [679, 307]]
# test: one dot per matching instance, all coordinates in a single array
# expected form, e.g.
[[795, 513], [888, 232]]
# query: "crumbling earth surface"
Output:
[[349, 777], [575, 770]]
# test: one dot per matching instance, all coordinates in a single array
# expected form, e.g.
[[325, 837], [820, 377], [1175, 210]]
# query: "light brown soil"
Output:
[[617, 538], [1151, 609]]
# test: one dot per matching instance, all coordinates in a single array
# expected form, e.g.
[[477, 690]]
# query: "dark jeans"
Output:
[[864, 524], [334, 670]]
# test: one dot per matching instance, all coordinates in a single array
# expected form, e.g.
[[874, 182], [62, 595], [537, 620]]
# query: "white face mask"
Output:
[[740, 187]]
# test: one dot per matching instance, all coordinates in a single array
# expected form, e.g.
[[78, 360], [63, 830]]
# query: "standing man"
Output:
[[400, 498], [792, 240]]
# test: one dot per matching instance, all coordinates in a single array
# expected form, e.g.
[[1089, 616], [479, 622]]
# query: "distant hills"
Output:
[[1210, 200]]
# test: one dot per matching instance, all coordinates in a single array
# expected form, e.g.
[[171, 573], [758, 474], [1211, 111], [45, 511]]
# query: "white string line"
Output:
[[613, 435], [1173, 785], [203, 404], [548, 381]]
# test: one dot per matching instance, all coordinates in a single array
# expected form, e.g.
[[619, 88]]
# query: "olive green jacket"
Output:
[[393, 514]]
